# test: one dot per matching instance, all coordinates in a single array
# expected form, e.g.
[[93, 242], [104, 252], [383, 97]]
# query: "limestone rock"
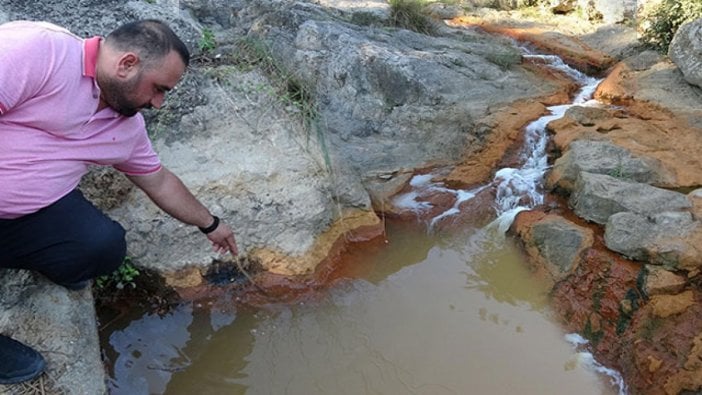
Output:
[[661, 281], [666, 238], [613, 12], [643, 144], [667, 305], [552, 242], [603, 157], [596, 197], [630, 81], [58, 323], [617, 40], [686, 51]]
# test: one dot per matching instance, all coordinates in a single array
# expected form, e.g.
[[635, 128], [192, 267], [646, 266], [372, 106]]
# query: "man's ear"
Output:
[[127, 65]]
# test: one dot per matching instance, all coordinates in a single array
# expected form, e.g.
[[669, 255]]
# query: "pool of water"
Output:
[[426, 314]]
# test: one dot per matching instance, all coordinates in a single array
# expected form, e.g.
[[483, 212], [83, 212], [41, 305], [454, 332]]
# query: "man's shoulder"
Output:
[[37, 27]]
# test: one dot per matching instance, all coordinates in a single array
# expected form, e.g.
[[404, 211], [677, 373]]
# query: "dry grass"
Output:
[[42, 385]]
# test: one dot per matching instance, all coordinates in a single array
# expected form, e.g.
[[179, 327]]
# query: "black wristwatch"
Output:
[[211, 228]]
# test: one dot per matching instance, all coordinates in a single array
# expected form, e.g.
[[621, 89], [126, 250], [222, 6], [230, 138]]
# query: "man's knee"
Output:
[[91, 253], [105, 249], [70, 240]]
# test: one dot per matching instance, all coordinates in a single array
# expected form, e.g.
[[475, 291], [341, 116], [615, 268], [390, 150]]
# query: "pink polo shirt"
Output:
[[49, 128]]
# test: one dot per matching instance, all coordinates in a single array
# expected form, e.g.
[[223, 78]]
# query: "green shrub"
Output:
[[288, 88], [660, 22], [410, 14], [120, 278], [505, 59], [207, 41]]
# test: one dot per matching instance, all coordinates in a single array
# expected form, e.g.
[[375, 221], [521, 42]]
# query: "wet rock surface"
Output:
[[395, 101], [553, 242], [634, 293]]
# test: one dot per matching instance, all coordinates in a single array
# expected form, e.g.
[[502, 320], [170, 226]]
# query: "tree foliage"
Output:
[[660, 22]]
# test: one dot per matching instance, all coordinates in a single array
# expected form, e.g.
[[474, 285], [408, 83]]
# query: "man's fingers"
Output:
[[232, 246]]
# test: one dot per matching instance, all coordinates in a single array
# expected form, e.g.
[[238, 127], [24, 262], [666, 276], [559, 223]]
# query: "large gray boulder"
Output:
[[596, 197], [603, 157], [667, 238], [556, 244], [392, 99], [686, 51], [92, 17]]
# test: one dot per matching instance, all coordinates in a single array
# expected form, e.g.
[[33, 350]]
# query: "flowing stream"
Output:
[[427, 313]]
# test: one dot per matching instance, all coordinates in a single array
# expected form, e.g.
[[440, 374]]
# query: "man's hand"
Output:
[[222, 239], [173, 197]]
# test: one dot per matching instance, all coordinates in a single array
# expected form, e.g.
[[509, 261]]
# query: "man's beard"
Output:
[[116, 94]]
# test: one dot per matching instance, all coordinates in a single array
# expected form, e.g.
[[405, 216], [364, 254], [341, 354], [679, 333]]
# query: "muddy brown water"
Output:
[[426, 314]]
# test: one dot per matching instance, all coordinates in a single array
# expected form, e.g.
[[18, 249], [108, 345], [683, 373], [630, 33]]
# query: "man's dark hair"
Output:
[[151, 39]]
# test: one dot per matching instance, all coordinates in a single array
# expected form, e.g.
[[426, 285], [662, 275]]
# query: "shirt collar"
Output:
[[90, 54]]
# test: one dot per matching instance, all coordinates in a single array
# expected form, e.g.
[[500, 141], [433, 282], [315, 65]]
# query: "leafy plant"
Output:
[[504, 59], [660, 22], [288, 88], [409, 14], [207, 41], [122, 277], [617, 172]]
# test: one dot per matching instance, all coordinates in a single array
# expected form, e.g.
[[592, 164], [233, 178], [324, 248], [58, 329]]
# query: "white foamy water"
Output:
[[519, 189], [588, 360]]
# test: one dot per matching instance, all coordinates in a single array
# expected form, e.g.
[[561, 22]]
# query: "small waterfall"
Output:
[[521, 189], [518, 189]]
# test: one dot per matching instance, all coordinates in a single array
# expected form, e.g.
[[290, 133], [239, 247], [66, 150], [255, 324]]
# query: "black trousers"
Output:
[[68, 242]]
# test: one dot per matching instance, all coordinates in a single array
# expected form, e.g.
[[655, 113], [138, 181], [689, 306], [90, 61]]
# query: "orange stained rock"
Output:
[[503, 131], [573, 51], [589, 301], [666, 305], [524, 225], [288, 278], [186, 278], [655, 363], [647, 131], [612, 89], [673, 340], [354, 226]]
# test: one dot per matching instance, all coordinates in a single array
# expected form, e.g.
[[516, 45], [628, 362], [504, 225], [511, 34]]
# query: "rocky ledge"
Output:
[[621, 250]]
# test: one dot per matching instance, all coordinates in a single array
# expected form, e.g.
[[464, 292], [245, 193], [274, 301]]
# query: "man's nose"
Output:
[[157, 100]]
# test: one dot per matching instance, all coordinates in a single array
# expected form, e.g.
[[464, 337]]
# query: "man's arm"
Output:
[[173, 197]]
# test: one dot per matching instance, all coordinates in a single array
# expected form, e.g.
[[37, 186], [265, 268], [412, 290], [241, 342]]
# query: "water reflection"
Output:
[[429, 316], [149, 351], [497, 270]]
